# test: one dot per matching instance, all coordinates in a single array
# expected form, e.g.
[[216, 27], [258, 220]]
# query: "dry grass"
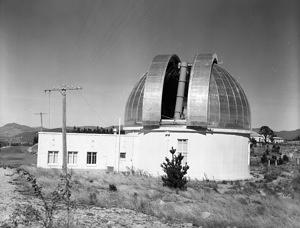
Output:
[[237, 204], [16, 156]]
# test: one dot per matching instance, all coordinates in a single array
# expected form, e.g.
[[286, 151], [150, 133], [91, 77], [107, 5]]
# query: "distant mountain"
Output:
[[287, 135], [13, 129]]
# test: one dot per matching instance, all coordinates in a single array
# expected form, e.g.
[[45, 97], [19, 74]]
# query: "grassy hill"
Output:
[[289, 135], [13, 129]]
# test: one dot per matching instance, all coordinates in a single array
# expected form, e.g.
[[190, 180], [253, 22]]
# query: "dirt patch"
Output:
[[8, 196]]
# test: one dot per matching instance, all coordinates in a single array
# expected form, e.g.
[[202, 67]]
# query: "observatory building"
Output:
[[197, 108]]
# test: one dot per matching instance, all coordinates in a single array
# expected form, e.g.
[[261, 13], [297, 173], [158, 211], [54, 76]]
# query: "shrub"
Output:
[[271, 175], [264, 159], [273, 160], [285, 158], [279, 161], [92, 198], [112, 188], [276, 149], [175, 171], [267, 151]]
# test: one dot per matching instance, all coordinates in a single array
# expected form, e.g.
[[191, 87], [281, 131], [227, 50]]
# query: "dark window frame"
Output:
[[184, 153], [55, 155], [91, 158], [123, 155], [72, 157]]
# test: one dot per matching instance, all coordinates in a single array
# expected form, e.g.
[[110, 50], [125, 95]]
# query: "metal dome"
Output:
[[212, 97], [134, 105]]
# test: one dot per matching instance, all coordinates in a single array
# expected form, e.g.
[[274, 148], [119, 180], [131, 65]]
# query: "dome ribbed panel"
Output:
[[246, 106], [213, 104], [223, 98], [231, 98], [228, 106], [140, 107], [239, 121], [134, 105]]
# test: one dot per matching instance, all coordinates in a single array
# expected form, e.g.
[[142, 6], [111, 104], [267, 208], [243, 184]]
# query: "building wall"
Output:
[[106, 146], [216, 156], [219, 156]]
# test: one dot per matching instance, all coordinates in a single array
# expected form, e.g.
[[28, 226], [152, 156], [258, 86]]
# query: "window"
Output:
[[72, 157], [182, 148], [52, 157], [91, 157], [122, 155]]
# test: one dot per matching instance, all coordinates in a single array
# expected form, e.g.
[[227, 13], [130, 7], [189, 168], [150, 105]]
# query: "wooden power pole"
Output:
[[63, 90], [41, 115]]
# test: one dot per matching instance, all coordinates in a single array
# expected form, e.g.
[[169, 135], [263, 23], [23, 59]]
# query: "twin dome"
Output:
[[198, 95]]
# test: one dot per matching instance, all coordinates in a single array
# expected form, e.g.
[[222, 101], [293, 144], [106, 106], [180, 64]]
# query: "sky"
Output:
[[105, 46]]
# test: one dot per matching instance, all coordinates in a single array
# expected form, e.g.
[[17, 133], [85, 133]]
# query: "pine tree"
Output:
[[175, 171]]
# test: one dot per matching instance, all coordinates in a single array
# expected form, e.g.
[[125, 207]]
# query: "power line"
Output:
[[90, 106]]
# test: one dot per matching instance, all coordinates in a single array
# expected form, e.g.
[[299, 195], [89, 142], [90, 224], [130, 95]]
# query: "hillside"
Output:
[[289, 135], [13, 129]]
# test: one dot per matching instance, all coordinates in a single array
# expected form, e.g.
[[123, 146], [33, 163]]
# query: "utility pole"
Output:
[[41, 115], [63, 90], [119, 149]]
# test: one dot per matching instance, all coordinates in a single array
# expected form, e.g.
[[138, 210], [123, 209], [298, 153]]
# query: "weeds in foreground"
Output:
[[205, 184], [236, 203], [27, 214], [136, 172]]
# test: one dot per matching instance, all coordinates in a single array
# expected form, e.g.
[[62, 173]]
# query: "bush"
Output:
[[93, 198], [276, 149], [264, 159], [285, 158], [112, 188], [273, 160], [271, 175], [267, 151], [175, 172]]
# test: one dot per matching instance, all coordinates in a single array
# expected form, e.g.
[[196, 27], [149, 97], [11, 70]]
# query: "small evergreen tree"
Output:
[[175, 171]]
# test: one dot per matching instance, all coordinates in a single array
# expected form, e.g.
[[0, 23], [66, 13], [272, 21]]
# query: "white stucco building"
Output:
[[199, 109]]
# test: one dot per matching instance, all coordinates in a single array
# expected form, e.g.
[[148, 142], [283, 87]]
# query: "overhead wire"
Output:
[[115, 26], [121, 20], [89, 105]]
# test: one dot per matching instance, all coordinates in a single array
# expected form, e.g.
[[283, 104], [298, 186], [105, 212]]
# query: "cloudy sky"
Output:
[[106, 45]]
